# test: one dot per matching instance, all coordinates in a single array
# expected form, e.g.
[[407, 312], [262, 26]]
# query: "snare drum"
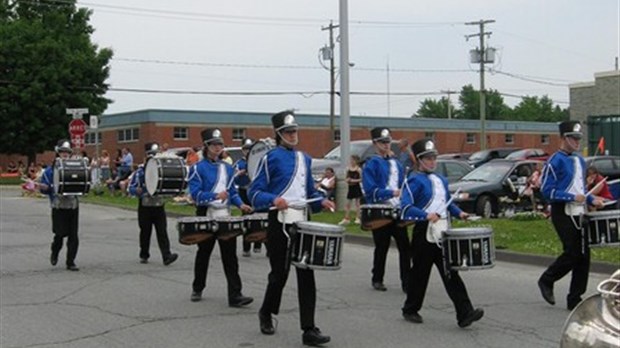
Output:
[[195, 229], [374, 216], [317, 245], [603, 227], [255, 227], [71, 177], [165, 175], [227, 227], [257, 152], [468, 248]]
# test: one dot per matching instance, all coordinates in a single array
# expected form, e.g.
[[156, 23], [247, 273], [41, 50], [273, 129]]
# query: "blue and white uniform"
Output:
[[564, 177], [207, 179]]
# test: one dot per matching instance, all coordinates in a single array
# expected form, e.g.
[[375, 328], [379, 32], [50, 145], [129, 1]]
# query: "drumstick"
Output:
[[304, 201], [456, 193], [596, 186]]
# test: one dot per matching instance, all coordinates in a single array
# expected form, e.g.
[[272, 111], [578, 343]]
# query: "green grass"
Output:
[[526, 236], [11, 180]]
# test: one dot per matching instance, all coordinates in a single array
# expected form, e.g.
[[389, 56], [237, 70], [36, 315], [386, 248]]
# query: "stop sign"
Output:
[[77, 127]]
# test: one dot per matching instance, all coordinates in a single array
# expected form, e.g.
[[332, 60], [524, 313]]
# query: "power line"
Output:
[[528, 78]]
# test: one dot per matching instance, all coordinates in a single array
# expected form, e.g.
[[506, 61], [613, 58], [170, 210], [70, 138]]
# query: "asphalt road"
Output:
[[114, 301]]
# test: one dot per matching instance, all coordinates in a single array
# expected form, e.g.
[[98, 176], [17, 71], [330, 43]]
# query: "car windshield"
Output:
[[356, 149], [478, 155], [490, 172], [519, 154]]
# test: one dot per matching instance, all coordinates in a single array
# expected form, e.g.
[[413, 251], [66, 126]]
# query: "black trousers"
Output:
[[382, 237], [65, 224], [228, 252], [280, 262], [147, 218], [243, 193], [575, 256], [425, 255]]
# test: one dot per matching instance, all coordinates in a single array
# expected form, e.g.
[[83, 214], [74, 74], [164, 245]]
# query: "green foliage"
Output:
[[48, 63], [431, 108]]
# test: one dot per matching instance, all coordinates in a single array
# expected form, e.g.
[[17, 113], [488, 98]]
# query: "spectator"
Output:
[[192, 157], [406, 157], [598, 185], [126, 163], [353, 179], [327, 184], [11, 168], [224, 156], [104, 165]]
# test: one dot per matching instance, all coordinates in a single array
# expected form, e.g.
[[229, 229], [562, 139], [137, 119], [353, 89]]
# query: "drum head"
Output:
[[257, 151], [319, 228], [151, 175]]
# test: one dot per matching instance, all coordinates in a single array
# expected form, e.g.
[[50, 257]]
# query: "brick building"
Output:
[[180, 128]]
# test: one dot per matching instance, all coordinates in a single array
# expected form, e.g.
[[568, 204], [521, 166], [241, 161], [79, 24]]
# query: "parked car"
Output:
[[537, 154], [481, 157], [484, 189], [234, 152], [463, 156], [452, 169]]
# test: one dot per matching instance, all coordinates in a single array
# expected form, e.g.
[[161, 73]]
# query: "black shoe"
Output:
[[196, 296], [240, 301], [144, 260], [571, 304], [54, 259], [474, 315], [413, 317], [313, 337], [73, 267], [170, 259], [546, 292], [379, 286], [266, 324]]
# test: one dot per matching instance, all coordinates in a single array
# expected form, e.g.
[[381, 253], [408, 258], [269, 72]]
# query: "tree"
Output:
[[469, 100], [431, 108], [47, 64]]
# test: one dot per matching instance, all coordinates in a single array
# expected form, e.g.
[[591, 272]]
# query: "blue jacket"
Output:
[[375, 176], [242, 180], [558, 175], [418, 193], [274, 173], [202, 179]]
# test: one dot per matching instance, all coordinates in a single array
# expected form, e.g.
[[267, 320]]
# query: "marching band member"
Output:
[[284, 181], [65, 212], [424, 201], [563, 185], [242, 180], [151, 212], [210, 185], [382, 177]]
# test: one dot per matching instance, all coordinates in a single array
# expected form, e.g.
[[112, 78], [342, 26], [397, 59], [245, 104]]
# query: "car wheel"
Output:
[[484, 207]]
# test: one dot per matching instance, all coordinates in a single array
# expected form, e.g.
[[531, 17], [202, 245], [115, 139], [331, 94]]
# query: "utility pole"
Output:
[[388, 86], [332, 81], [449, 92], [345, 107], [482, 57]]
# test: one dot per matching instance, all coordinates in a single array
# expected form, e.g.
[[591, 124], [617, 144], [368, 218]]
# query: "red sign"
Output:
[[77, 127], [77, 140]]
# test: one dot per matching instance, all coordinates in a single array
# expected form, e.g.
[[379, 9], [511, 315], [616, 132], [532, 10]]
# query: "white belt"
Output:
[[292, 215]]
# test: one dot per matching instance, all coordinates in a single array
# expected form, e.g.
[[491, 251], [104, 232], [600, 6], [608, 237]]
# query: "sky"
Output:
[[404, 51]]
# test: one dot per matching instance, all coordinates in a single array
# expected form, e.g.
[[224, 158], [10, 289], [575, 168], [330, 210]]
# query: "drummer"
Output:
[[151, 212], [424, 201], [563, 184], [382, 177], [242, 180], [286, 187], [65, 212], [210, 185]]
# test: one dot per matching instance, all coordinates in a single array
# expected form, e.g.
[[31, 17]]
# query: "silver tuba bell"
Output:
[[595, 322]]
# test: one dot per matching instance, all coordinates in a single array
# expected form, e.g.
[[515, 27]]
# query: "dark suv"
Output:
[[481, 157]]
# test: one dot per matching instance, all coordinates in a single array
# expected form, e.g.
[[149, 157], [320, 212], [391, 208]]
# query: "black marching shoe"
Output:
[[313, 337], [72, 267], [547, 292], [54, 259], [196, 296], [266, 324], [170, 259], [413, 317], [472, 316], [571, 304], [379, 286], [144, 260], [240, 301]]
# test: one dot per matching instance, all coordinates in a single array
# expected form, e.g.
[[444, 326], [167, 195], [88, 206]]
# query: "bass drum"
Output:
[[165, 175], [71, 177], [256, 154]]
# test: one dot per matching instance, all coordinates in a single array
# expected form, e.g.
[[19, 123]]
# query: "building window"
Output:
[[544, 139], [510, 139], [180, 133], [471, 138], [336, 134], [238, 134], [92, 138], [128, 135], [430, 135]]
